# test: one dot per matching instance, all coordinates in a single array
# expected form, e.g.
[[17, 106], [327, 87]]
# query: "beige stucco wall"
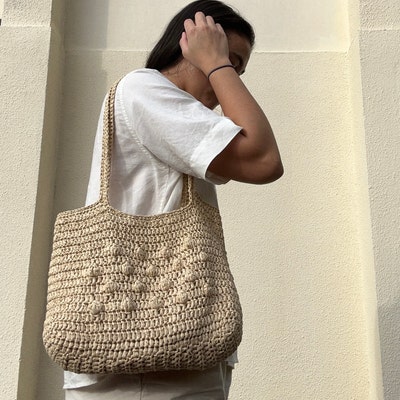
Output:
[[362, 211], [20, 148], [314, 254], [303, 25], [30, 82], [379, 48]]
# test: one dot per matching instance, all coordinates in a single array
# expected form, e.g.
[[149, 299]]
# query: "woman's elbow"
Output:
[[277, 171], [269, 170]]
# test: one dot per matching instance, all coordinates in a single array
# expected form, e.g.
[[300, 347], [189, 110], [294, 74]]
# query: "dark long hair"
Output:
[[167, 52]]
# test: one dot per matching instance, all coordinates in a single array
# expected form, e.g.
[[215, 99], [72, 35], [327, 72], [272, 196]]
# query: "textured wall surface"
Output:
[[294, 245], [23, 55], [304, 25], [383, 14], [379, 48], [315, 254], [29, 87]]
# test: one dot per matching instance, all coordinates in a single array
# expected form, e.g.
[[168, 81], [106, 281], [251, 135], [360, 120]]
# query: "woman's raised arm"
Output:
[[253, 155]]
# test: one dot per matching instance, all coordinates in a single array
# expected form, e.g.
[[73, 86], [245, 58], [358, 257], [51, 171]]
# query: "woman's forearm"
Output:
[[254, 152]]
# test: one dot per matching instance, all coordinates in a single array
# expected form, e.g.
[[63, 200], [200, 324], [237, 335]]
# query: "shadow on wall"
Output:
[[389, 330]]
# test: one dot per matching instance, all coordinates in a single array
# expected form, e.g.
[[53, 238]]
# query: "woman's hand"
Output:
[[204, 43]]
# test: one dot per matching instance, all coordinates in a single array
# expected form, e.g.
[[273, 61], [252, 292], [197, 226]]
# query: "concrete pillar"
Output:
[[31, 59], [380, 77]]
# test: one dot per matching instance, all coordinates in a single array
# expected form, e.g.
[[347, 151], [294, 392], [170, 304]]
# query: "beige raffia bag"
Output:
[[134, 294]]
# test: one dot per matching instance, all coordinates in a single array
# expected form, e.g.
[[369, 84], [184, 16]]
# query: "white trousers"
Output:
[[211, 384]]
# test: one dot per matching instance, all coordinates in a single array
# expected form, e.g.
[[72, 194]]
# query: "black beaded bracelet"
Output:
[[220, 67]]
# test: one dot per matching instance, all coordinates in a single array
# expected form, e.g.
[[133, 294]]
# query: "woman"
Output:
[[165, 126]]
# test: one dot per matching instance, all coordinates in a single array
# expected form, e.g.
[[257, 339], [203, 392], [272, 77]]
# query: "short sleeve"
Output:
[[173, 125]]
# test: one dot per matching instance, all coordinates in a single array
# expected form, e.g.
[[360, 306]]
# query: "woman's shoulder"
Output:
[[145, 77], [148, 84]]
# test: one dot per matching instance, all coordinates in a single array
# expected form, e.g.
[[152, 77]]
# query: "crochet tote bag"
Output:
[[134, 294]]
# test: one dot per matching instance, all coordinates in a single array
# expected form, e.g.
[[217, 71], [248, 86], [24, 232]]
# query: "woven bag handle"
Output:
[[107, 141], [106, 154]]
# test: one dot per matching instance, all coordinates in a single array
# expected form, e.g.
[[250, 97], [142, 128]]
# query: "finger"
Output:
[[200, 18], [220, 28], [188, 24], [210, 20], [183, 42]]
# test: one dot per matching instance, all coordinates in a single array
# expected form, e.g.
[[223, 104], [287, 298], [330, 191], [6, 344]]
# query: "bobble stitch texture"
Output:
[[182, 298], [139, 287], [189, 243], [115, 250], [203, 256], [111, 287], [156, 303], [190, 276], [141, 253], [127, 268], [152, 271], [94, 271], [96, 307], [166, 284], [178, 264], [128, 305], [166, 253]]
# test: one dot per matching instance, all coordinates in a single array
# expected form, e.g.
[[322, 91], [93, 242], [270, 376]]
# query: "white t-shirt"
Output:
[[161, 132]]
